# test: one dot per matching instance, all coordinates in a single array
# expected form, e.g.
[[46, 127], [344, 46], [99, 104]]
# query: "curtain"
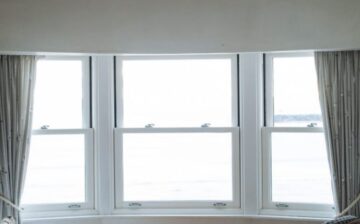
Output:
[[339, 90], [17, 77]]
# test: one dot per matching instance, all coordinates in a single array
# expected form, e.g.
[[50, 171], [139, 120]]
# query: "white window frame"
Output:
[[120, 203], [119, 81], [234, 130], [269, 206], [269, 87], [88, 133]]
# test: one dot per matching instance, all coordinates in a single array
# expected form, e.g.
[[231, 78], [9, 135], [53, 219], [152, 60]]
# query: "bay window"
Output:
[[167, 136]]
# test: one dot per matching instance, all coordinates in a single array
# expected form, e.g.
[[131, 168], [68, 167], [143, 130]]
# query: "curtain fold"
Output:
[[17, 78], [339, 90]]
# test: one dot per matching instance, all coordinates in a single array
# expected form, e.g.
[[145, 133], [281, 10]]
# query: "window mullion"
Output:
[[250, 123], [104, 116]]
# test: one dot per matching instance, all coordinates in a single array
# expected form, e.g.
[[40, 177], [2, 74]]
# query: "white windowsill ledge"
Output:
[[173, 218]]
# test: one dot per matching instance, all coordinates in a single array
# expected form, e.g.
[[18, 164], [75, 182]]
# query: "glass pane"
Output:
[[56, 170], [300, 170], [296, 98], [177, 92], [58, 100], [177, 166]]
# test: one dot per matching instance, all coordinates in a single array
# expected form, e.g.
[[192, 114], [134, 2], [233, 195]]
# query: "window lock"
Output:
[[74, 206], [312, 125], [219, 204], [281, 205], [44, 127], [134, 204], [206, 125]]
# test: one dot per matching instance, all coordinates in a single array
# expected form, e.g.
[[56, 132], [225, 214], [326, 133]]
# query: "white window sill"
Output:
[[181, 217], [183, 212], [64, 214], [176, 219], [298, 213]]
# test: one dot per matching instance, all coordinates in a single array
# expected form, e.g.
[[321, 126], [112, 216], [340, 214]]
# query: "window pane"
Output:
[[56, 170], [177, 166], [58, 100], [177, 92], [300, 170], [296, 99]]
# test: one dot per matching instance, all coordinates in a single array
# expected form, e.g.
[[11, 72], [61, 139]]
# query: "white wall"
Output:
[[175, 26]]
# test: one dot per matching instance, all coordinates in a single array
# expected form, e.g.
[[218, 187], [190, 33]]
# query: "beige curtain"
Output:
[[17, 77], [339, 88]]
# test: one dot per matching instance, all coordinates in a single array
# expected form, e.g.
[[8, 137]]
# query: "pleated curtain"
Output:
[[17, 77], [339, 90]]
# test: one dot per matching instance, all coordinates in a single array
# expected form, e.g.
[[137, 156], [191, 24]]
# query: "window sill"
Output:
[[288, 213], [176, 216], [176, 219], [180, 212], [63, 214]]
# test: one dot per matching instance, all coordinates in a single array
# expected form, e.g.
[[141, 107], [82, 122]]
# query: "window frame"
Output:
[[267, 171], [268, 205], [87, 131], [119, 81], [120, 203], [119, 130], [269, 81]]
